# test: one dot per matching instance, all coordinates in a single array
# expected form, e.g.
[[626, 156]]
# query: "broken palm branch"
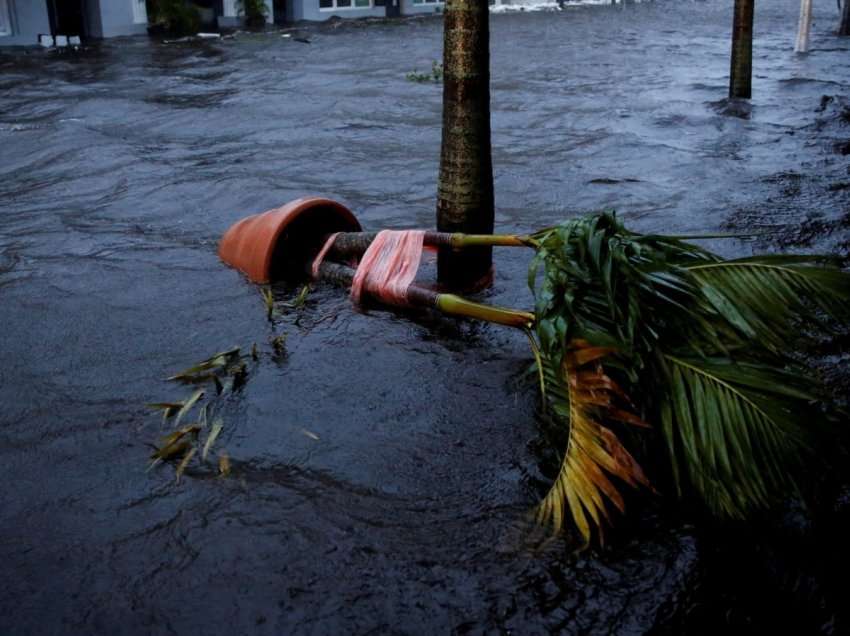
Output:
[[631, 330], [701, 345]]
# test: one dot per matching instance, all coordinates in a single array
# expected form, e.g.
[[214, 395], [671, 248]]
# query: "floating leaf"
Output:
[[175, 444], [166, 406], [169, 409], [217, 361], [172, 443], [185, 462], [188, 404], [214, 432]]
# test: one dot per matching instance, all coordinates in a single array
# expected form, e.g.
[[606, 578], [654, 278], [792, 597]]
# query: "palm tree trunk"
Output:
[[844, 27], [465, 188], [804, 28], [741, 74]]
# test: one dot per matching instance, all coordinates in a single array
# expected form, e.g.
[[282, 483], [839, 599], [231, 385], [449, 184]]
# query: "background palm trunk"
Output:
[[804, 28], [465, 188], [741, 74], [844, 27]]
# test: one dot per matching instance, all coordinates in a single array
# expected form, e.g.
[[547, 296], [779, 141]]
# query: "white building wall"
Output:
[[310, 10], [117, 17], [21, 22]]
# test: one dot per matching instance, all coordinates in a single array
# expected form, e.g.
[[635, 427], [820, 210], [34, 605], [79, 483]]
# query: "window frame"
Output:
[[353, 6], [140, 12], [6, 26]]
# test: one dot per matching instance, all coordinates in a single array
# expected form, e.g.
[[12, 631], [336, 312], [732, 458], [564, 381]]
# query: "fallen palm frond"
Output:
[[580, 393], [701, 344]]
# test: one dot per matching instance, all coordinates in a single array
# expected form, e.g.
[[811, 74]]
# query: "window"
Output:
[[140, 12], [328, 5], [427, 1], [5, 18]]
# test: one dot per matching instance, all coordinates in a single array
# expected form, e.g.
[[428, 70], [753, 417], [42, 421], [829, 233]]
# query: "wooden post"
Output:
[[844, 27], [741, 74], [465, 187], [804, 28]]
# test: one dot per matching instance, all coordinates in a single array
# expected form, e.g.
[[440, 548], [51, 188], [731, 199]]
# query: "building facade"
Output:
[[29, 22], [22, 22], [325, 9]]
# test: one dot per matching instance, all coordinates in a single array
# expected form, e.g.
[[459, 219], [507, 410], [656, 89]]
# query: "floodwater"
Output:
[[382, 469]]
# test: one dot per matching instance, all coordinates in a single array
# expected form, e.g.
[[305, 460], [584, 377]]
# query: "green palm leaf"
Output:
[[734, 430], [763, 296]]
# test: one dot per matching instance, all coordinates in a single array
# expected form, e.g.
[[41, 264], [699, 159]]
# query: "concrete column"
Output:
[[804, 28]]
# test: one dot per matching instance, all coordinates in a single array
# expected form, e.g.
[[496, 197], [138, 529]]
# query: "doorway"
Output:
[[279, 10], [67, 17], [393, 8]]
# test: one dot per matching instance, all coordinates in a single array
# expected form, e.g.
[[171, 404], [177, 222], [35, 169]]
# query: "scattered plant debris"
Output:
[[436, 74], [279, 344], [224, 464]]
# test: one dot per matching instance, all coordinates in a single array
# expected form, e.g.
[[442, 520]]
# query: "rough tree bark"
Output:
[[804, 28], [844, 27], [465, 188], [741, 74]]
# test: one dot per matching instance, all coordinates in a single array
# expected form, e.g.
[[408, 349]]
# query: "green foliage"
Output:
[[175, 17], [255, 11], [436, 74], [701, 345]]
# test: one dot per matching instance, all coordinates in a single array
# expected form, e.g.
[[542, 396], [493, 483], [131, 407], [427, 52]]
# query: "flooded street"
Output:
[[382, 469]]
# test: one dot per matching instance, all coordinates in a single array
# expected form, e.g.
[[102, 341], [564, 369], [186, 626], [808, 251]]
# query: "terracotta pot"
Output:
[[282, 242]]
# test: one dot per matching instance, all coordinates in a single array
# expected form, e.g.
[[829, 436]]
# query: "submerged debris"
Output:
[[224, 464], [436, 74]]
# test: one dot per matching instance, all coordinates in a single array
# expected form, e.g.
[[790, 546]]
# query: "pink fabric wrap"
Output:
[[389, 266], [317, 262]]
